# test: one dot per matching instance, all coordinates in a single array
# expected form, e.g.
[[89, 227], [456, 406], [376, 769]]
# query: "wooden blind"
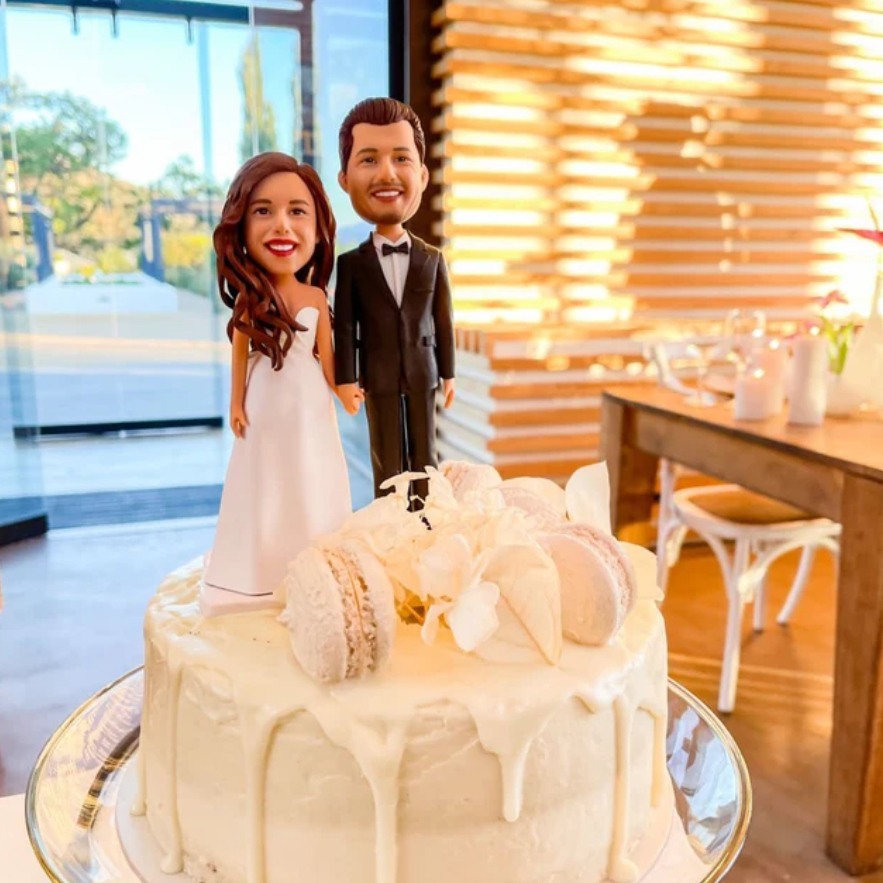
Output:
[[656, 158]]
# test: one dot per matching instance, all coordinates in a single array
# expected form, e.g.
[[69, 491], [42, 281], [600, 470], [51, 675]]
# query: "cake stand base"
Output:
[[141, 848], [83, 785]]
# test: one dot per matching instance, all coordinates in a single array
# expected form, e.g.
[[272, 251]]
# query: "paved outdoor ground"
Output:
[[94, 367]]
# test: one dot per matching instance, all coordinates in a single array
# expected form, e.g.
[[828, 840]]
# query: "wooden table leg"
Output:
[[632, 471], [855, 795]]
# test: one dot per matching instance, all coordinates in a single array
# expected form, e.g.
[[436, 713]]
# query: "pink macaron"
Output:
[[598, 582], [340, 611], [544, 516], [465, 477]]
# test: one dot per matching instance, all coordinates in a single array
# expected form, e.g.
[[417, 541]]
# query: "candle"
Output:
[[809, 380], [755, 395], [772, 359]]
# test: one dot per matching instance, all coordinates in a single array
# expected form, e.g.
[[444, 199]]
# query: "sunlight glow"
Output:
[[494, 191], [586, 243], [584, 292], [498, 219], [617, 171], [584, 268], [509, 293], [645, 138], [598, 194], [508, 315], [617, 310], [492, 112], [492, 139], [493, 243], [498, 164], [593, 220], [477, 268]]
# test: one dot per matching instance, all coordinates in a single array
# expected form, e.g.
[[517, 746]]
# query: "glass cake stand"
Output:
[[70, 806]]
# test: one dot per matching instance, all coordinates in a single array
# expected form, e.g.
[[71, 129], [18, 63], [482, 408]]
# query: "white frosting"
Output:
[[475, 772]]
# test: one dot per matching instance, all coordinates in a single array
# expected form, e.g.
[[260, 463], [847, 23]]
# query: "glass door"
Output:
[[121, 171], [118, 212], [22, 509]]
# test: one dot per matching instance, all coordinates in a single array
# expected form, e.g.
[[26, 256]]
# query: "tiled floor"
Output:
[[73, 608]]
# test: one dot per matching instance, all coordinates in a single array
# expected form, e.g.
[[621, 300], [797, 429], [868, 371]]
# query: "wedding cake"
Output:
[[473, 693]]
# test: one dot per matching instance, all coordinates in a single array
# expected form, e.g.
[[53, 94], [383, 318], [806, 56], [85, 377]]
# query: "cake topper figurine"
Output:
[[287, 481], [394, 328]]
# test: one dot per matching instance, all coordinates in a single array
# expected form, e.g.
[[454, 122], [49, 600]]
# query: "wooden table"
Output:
[[834, 470]]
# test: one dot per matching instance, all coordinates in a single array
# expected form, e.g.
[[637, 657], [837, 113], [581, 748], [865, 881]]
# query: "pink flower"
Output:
[[833, 297], [873, 235], [804, 328]]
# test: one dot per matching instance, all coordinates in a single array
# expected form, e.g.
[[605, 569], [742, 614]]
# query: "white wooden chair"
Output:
[[760, 529]]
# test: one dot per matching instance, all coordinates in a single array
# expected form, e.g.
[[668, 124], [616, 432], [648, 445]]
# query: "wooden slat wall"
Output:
[[528, 402], [656, 158]]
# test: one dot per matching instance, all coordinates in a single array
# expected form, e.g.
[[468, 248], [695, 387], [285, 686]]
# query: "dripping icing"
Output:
[[507, 730], [620, 869], [256, 738], [660, 767], [510, 739], [139, 805], [173, 863]]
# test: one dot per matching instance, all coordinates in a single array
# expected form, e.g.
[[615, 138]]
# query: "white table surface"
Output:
[[17, 861]]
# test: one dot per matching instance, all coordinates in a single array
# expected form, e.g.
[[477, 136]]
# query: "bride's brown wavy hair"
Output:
[[268, 326]]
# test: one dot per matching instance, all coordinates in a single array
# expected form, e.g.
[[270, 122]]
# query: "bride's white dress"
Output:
[[287, 481]]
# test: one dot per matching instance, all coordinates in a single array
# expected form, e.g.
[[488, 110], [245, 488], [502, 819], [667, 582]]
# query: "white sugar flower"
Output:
[[395, 535], [482, 501], [451, 579], [548, 491], [382, 512], [401, 483], [401, 560], [444, 567], [472, 618], [441, 493], [529, 611], [588, 496], [508, 527]]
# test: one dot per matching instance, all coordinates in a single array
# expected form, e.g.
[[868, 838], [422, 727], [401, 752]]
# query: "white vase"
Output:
[[843, 399], [864, 362]]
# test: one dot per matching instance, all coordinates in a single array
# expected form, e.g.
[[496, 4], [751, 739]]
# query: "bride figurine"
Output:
[[287, 480]]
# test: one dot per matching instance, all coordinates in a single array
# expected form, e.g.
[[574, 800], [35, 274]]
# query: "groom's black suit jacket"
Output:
[[386, 348]]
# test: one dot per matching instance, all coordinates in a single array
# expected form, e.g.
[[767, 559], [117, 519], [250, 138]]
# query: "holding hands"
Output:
[[351, 396]]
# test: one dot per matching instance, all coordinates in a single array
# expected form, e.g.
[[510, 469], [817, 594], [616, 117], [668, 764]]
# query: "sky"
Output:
[[147, 79]]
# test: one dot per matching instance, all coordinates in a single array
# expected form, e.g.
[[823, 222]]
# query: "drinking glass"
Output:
[[743, 330], [701, 352]]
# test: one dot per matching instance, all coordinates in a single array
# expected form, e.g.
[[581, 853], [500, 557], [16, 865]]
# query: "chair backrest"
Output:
[[662, 354]]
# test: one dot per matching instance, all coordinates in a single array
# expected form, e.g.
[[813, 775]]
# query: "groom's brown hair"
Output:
[[378, 112]]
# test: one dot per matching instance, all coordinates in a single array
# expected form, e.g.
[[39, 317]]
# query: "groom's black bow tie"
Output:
[[387, 249]]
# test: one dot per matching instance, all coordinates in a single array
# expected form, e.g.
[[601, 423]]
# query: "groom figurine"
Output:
[[394, 328]]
